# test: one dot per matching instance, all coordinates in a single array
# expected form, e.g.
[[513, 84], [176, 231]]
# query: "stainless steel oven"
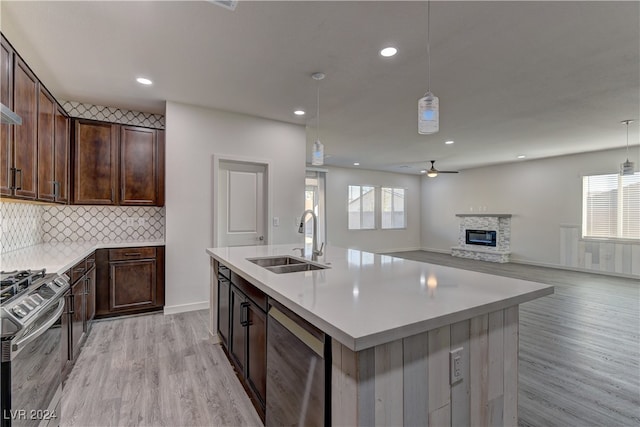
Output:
[[31, 353]]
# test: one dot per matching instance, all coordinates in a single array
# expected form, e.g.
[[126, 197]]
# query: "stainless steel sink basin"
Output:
[[276, 260], [286, 264]]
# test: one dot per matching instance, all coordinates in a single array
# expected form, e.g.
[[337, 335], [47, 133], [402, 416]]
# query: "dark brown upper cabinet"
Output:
[[6, 131], [95, 163], [118, 164], [46, 146], [25, 141], [138, 166], [61, 156]]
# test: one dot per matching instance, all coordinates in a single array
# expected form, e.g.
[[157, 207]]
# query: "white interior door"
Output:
[[241, 204]]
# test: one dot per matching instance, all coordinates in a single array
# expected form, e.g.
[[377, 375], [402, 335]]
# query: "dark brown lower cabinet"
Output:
[[242, 327], [65, 324], [129, 280], [90, 298], [77, 318]]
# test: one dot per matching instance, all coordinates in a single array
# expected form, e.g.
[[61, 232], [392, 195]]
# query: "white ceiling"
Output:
[[535, 78]]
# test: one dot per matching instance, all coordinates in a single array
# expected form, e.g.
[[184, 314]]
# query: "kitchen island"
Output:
[[396, 326]]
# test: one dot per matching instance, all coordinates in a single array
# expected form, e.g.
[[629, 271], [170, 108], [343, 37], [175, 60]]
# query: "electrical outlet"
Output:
[[129, 221], [455, 365]]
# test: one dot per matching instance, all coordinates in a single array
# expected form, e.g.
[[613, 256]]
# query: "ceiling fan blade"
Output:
[[448, 172]]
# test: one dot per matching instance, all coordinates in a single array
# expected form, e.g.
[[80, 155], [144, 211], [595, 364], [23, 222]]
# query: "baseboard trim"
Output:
[[183, 308]]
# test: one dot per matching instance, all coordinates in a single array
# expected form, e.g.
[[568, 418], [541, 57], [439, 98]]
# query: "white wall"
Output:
[[193, 136], [542, 195], [338, 180]]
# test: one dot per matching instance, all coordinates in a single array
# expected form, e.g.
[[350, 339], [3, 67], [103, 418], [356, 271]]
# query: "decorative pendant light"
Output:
[[317, 156], [428, 105], [627, 168]]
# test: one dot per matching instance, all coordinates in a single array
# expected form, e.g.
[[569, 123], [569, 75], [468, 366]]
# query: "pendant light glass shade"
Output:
[[428, 114], [317, 157], [627, 167]]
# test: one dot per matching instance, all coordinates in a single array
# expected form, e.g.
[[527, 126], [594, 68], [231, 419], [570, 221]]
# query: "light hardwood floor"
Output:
[[579, 360], [579, 348], [154, 370]]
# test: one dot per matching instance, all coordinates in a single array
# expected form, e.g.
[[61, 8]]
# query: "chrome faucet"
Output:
[[315, 252]]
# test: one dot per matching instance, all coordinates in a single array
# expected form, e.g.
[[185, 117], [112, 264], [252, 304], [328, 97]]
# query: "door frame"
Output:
[[215, 170]]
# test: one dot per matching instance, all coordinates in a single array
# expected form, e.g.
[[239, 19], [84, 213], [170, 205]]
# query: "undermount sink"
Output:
[[286, 264]]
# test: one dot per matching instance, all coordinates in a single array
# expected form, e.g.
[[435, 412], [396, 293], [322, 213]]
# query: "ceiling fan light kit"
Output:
[[433, 172], [627, 167]]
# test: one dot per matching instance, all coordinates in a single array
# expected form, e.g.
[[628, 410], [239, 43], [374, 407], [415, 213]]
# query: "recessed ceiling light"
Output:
[[448, 142], [356, 164], [388, 51], [144, 81], [423, 171], [521, 156], [299, 113]]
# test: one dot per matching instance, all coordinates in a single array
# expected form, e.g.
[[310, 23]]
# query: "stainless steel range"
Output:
[[31, 305]]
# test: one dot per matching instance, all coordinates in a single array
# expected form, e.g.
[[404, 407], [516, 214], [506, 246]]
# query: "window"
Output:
[[611, 206], [361, 207], [393, 207]]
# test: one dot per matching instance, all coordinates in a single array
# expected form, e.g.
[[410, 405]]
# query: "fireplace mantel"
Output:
[[485, 215]]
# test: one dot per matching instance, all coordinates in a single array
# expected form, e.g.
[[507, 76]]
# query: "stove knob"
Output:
[[19, 312], [35, 300], [27, 305]]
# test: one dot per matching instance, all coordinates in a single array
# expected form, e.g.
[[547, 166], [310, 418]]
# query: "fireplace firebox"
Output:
[[481, 237]]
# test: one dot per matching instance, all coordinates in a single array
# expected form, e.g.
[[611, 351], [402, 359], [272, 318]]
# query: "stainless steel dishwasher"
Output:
[[297, 371]]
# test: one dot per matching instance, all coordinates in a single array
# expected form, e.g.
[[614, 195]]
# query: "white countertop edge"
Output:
[[368, 341], [37, 256]]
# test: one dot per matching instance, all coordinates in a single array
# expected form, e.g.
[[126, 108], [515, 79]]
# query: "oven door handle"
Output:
[[22, 342]]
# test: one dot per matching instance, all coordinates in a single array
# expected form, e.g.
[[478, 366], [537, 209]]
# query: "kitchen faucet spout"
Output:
[[315, 252]]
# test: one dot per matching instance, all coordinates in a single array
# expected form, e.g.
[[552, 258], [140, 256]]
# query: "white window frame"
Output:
[[375, 207], [620, 212], [404, 207]]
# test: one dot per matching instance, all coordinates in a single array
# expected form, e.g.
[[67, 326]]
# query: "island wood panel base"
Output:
[[407, 382]]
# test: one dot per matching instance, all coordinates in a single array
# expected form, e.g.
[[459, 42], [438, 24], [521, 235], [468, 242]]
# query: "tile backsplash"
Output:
[[23, 224], [82, 223], [20, 225], [113, 115]]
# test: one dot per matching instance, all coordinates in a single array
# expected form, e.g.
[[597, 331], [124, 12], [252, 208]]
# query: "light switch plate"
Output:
[[276, 221], [455, 365]]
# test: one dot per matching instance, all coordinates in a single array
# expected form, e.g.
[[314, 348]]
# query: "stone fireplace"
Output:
[[485, 237]]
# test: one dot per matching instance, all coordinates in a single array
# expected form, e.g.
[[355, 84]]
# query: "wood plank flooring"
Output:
[[579, 360], [154, 370], [579, 348]]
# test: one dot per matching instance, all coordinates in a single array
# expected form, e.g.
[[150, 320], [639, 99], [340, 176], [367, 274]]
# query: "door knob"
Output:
[[261, 238]]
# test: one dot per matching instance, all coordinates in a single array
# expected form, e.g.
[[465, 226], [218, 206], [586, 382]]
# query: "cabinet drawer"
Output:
[[223, 271], [78, 270], [131, 253], [254, 294]]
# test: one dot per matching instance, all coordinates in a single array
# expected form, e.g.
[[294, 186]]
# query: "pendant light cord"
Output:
[[627, 139], [318, 112]]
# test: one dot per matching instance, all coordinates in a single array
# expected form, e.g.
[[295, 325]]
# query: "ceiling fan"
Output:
[[433, 172]]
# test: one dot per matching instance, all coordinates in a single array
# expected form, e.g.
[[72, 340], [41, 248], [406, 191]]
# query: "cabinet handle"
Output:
[[244, 314], [78, 270], [56, 189], [12, 185], [132, 254], [72, 304], [111, 197], [19, 187]]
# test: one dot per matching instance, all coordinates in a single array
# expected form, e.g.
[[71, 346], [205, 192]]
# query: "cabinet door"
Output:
[[25, 156], [138, 166], [132, 284], [77, 319], [46, 147], [223, 311], [95, 163], [238, 341], [90, 298], [65, 322], [61, 156], [257, 352], [6, 131]]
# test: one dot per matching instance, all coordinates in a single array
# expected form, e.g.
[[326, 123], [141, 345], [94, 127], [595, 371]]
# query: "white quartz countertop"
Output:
[[59, 257], [366, 299]]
